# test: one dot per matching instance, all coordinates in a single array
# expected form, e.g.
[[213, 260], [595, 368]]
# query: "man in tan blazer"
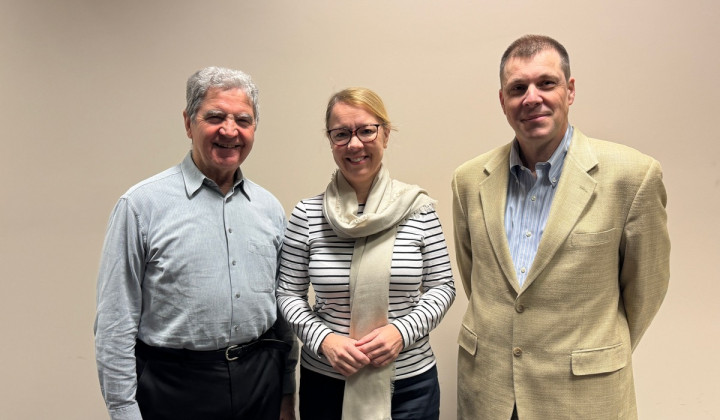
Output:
[[563, 251]]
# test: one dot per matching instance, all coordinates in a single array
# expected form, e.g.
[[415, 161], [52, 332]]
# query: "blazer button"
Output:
[[520, 308], [517, 352]]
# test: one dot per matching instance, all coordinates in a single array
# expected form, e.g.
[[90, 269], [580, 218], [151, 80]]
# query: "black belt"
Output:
[[229, 354]]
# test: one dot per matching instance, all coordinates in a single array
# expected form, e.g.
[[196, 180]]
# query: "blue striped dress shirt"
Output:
[[529, 200]]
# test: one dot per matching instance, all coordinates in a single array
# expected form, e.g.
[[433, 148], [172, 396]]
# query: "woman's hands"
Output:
[[343, 354], [382, 346], [379, 348]]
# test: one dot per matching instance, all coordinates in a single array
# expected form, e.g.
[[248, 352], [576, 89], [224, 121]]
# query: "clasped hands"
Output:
[[378, 348]]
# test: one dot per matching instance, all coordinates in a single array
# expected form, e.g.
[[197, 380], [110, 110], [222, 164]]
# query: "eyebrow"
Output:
[[345, 127], [219, 113], [214, 113], [524, 80]]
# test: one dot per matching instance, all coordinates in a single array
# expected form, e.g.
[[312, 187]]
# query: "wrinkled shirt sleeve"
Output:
[[285, 331], [119, 301]]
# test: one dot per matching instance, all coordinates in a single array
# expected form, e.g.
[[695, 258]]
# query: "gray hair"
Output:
[[218, 77]]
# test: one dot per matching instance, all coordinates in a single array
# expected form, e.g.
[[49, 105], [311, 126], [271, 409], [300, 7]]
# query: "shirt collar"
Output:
[[555, 162], [195, 179]]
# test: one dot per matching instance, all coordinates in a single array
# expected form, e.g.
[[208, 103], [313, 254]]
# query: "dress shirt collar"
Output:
[[555, 161], [194, 179]]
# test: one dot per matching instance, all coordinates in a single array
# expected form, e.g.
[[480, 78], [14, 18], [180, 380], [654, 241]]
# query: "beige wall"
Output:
[[91, 99]]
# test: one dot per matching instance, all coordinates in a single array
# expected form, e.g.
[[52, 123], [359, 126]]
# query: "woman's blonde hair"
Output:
[[363, 98]]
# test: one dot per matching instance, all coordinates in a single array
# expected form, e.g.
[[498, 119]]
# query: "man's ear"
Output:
[[502, 100], [186, 118], [571, 90]]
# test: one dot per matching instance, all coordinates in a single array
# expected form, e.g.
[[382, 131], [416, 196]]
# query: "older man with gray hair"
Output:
[[187, 325]]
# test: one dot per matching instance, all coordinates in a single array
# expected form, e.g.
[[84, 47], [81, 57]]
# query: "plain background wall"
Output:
[[91, 95]]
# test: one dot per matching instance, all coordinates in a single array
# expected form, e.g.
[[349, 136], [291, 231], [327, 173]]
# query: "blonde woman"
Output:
[[374, 252]]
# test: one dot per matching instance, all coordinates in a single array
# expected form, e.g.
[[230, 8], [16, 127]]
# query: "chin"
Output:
[[538, 134], [231, 159]]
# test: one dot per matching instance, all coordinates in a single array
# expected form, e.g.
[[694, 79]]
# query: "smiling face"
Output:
[[536, 99], [222, 133], [359, 162]]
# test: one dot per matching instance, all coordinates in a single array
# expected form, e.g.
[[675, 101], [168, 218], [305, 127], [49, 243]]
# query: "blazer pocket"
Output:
[[599, 360], [467, 340], [592, 238]]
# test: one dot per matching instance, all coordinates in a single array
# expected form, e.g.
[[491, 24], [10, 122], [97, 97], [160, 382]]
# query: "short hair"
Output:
[[222, 78], [528, 46], [363, 98]]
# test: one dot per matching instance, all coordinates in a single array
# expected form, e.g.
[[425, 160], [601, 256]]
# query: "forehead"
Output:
[[344, 112], [232, 101], [546, 63]]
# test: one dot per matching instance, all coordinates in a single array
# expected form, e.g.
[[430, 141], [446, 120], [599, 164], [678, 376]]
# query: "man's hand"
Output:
[[343, 354], [287, 407], [382, 346]]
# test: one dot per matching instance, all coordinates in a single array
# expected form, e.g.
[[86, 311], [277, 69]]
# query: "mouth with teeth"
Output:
[[227, 146], [356, 159]]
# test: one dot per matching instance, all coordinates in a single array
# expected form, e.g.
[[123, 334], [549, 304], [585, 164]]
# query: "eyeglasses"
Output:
[[342, 136]]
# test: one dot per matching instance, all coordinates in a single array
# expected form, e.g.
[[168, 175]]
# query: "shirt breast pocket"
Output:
[[263, 267]]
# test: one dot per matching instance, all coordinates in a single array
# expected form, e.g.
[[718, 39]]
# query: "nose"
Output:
[[532, 96], [354, 142], [229, 127]]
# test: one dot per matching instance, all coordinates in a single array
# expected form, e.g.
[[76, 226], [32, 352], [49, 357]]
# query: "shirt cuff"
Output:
[[128, 412], [289, 385]]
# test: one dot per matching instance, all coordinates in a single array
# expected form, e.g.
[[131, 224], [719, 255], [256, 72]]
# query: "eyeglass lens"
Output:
[[365, 133]]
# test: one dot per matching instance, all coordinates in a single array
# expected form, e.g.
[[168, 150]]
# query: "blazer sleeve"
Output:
[[463, 247], [645, 254]]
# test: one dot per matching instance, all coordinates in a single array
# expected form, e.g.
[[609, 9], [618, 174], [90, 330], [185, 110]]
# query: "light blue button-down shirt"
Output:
[[184, 266], [528, 204]]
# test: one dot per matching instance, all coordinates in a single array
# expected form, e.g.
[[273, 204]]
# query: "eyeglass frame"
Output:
[[353, 133]]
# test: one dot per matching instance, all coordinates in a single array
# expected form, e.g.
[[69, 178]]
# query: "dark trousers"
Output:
[[416, 398], [182, 384]]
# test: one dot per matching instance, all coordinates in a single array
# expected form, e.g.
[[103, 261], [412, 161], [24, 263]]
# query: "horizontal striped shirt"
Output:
[[421, 285], [529, 200]]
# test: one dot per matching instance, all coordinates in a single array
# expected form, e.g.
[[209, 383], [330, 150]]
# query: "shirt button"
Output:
[[517, 352], [230, 230], [236, 327], [528, 234], [234, 262], [522, 270], [237, 295], [533, 198]]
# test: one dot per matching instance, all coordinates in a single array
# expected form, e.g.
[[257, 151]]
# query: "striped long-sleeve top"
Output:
[[421, 285]]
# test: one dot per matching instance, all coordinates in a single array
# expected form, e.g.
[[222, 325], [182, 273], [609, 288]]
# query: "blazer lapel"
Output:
[[575, 189], [493, 196]]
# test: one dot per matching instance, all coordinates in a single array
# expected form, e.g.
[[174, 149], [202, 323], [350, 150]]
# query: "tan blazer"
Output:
[[561, 346]]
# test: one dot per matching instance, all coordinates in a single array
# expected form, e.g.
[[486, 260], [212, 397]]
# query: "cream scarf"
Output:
[[368, 392]]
